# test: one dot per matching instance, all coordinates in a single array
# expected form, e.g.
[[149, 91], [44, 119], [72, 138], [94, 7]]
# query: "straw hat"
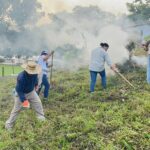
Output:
[[31, 67]]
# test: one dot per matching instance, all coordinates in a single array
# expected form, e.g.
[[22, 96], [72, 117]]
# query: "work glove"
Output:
[[114, 68], [26, 104]]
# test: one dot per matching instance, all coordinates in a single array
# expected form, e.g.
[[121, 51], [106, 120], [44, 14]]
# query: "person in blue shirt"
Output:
[[26, 87], [42, 61]]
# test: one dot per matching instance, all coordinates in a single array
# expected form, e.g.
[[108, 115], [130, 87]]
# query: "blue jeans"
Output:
[[94, 77], [148, 69], [46, 85]]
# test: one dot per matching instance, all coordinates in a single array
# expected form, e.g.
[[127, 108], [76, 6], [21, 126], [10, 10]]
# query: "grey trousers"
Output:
[[35, 103]]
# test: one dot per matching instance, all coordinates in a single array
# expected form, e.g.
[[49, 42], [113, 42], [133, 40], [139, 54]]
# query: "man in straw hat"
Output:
[[27, 84]]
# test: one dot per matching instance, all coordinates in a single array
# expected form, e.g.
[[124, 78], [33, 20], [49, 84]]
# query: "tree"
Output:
[[140, 10], [16, 19], [21, 13]]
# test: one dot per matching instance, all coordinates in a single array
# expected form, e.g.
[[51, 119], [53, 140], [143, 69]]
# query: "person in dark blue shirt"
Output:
[[25, 84], [26, 87]]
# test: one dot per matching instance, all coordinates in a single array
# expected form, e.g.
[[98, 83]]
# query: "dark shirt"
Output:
[[25, 84]]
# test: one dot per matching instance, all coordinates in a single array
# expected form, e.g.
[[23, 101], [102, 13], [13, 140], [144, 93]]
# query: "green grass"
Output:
[[147, 38], [117, 118], [9, 70]]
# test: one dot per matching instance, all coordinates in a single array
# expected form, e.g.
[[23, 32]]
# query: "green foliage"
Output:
[[147, 38], [139, 10], [130, 46], [112, 119]]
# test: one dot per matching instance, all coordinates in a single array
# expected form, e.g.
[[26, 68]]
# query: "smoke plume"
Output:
[[73, 35]]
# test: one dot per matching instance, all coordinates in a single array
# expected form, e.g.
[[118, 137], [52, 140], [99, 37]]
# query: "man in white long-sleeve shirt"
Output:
[[97, 65], [43, 79]]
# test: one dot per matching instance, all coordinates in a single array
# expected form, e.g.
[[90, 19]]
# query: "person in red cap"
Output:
[[26, 87]]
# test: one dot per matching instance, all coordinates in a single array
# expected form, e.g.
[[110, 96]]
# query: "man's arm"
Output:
[[108, 60], [19, 90], [21, 94], [109, 63]]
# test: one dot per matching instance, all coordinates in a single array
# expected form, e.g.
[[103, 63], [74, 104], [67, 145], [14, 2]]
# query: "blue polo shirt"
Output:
[[25, 84], [43, 64]]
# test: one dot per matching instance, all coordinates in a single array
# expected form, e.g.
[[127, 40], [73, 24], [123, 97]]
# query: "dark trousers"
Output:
[[93, 75], [46, 85]]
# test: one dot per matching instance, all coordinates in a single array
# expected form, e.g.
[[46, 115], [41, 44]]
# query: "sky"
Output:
[[114, 6]]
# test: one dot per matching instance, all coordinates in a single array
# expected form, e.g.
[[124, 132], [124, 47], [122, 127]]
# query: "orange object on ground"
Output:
[[26, 104]]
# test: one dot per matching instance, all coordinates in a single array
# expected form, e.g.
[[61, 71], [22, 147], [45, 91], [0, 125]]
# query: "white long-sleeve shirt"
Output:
[[43, 64], [44, 67], [98, 58]]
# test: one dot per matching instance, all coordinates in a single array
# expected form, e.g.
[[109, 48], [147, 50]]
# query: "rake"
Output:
[[124, 78]]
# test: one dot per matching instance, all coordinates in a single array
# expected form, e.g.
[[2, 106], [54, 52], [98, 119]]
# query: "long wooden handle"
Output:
[[51, 74], [123, 77]]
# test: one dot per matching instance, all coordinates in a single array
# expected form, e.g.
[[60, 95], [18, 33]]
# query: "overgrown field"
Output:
[[117, 118]]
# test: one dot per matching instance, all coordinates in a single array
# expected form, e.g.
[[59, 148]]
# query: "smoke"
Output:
[[84, 29], [140, 61], [68, 5], [73, 35], [54, 6]]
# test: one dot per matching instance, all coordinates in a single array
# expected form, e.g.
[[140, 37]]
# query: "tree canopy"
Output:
[[18, 14], [140, 10]]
